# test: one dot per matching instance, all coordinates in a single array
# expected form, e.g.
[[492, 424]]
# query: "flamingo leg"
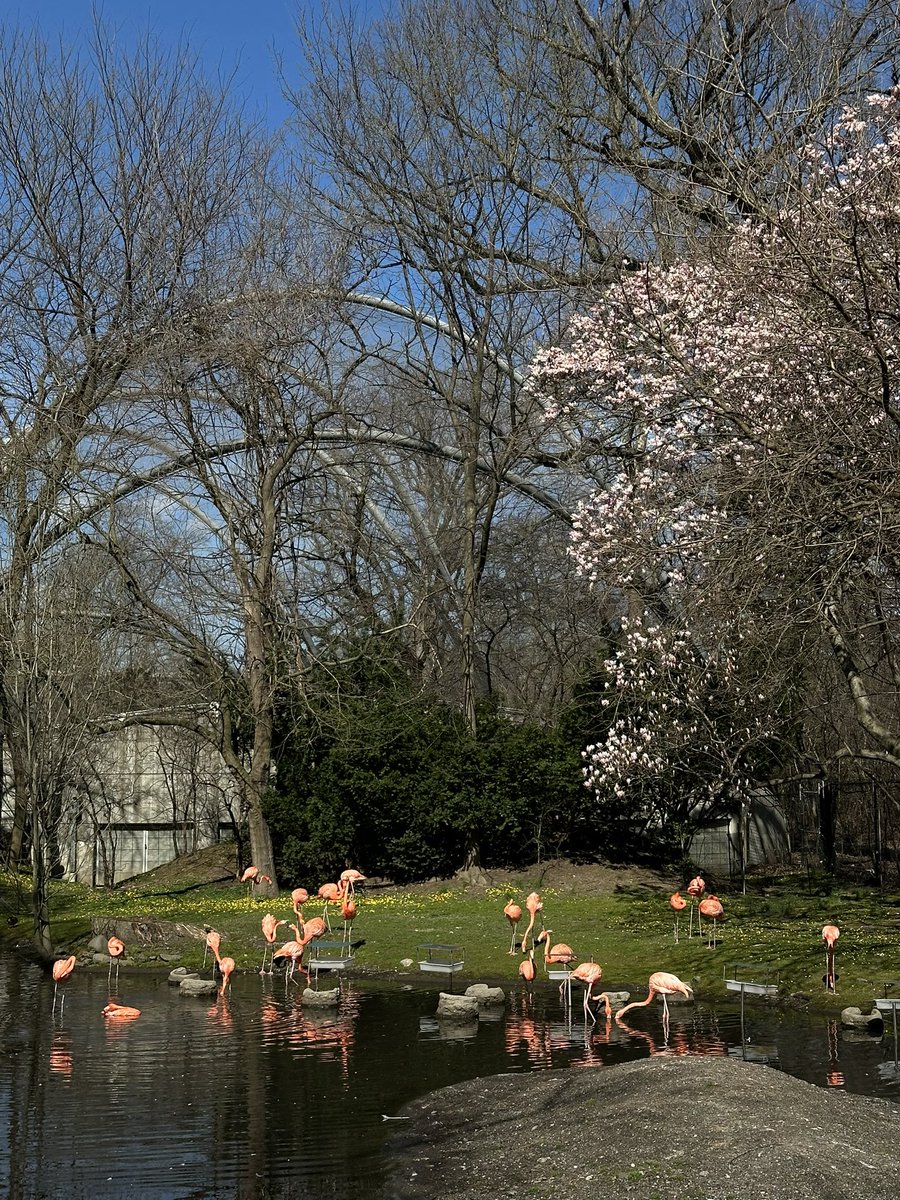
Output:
[[512, 943]]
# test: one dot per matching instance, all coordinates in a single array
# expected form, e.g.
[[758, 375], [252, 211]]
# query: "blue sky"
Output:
[[228, 35]]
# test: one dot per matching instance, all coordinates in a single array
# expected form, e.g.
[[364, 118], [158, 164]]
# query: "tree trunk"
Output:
[[828, 804], [40, 900]]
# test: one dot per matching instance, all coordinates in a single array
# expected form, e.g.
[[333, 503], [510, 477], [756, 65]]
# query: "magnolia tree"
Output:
[[746, 542]]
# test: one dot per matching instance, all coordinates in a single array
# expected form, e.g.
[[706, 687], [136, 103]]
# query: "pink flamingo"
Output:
[[292, 950], [677, 903], [62, 969], [252, 878], [661, 983], [270, 926], [331, 893], [696, 888], [299, 897], [120, 1012], [830, 934], [350, 878], [711, 907], [527, 968], [115, 948], [590, 973], [534, 905], [226, 966], [348, 913], [513, 914], [213, 941]]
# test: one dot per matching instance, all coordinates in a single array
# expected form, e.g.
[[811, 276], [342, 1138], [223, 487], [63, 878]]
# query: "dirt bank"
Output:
[[696, 1128]]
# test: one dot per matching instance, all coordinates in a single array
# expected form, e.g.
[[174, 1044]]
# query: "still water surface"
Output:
[[250, 1097]]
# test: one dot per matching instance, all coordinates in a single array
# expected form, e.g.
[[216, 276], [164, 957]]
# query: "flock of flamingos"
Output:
[[559, 954]]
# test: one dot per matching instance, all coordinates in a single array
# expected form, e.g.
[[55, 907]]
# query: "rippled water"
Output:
[[250, 1096]]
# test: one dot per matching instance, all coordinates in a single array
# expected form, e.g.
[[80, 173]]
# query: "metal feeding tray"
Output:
[[330, 956], [888, 1003], [751, 979], [440, 959]]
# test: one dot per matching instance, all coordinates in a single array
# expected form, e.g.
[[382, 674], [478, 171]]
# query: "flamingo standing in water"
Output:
[[270, 926], [513, 914], [115, 948], [226, 966], [534, 905], [678, 904], [292, 950], [590, 973], [661, 983], [830, 934], [711, 907], [527, 968], [696, 888], [62, 969]]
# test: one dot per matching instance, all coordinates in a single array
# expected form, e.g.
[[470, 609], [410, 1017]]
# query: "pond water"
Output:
[[249, 1096]]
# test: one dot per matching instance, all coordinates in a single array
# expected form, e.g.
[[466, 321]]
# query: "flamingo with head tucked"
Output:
[[513, 914], [711, 908], [677, 903], [62, 969], [120, 1012], [115, 948], [270, 926]]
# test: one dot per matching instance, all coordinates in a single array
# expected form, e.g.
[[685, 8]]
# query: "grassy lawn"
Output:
[[629, 934]]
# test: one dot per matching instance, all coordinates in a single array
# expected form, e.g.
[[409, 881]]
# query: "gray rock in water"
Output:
[[855, 1018], [457, 1008], [639, 1130], [180, 973], [486, 997], [193, 985], [327, 998], [101, 960]]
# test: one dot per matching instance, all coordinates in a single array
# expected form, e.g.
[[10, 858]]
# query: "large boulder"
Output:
[[696, 1128], [457, 1008], [326, 998], [193, 985], [485, 996]]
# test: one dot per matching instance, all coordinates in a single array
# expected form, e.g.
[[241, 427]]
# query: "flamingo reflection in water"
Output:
[[61, 1054], [834, 1076]]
